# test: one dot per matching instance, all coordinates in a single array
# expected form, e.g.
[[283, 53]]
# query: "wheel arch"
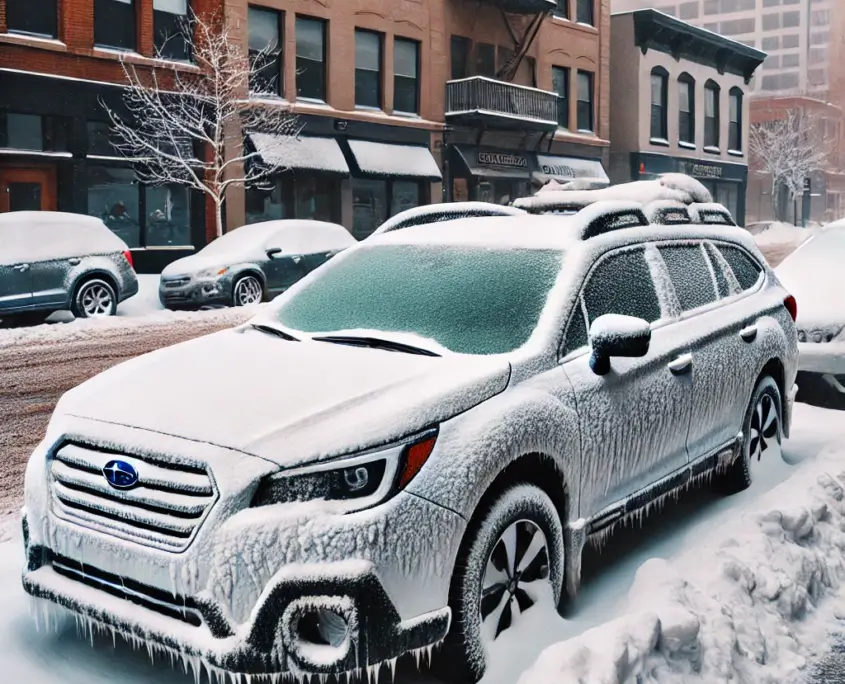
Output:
[[93, 274], [774, 367]]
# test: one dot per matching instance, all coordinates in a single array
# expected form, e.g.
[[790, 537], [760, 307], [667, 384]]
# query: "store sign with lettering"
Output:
[[701, 170], [502, 159]]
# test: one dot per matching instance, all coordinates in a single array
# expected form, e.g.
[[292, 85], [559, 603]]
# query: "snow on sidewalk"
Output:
[[753, 600]]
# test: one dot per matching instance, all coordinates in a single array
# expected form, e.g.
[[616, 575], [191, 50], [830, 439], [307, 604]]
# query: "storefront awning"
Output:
[[481, 163], [395, 161], [565, 169], [302, 152]]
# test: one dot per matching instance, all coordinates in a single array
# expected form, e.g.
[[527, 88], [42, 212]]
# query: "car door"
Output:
[[15, 275], [285, 268], [634, 420], [49, 269]]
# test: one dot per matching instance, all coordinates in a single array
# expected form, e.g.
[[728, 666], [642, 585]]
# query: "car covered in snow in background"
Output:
[[251, 264], [448, 211], [813, 272], [412, 445], [54, 261]]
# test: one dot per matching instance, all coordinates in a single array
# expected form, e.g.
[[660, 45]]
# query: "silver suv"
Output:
[[418, 440]]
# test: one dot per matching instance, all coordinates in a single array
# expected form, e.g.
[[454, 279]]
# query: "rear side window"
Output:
[[576, 333], [745, 269], [690, 273], [621, 284]]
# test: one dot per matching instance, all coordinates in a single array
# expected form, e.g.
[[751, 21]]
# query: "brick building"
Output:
[[58, 62]]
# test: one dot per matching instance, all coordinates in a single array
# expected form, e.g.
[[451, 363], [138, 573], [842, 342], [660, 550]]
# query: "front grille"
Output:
[[176, 282], [165, 509], [176, 607]]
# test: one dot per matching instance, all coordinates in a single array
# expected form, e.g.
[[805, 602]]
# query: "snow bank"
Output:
[[777, 233], [755, 605]]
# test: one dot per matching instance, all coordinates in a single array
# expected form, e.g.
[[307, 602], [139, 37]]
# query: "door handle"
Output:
[[74, 261], [681, 365], [23, 268], [748, 334]]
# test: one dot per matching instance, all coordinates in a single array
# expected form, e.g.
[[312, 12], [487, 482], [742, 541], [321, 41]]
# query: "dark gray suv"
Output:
[[52, 261]]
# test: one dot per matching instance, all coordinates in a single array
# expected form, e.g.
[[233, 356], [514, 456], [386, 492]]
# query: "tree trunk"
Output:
[[776, 200], [218, 216]]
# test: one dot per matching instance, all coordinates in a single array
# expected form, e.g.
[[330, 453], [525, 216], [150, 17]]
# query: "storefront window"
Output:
[[316, 198], [168, 216], [113, 196], [294, 196], [21, 131], [501, 191], [369, 206], [266, 204], [405, 195]]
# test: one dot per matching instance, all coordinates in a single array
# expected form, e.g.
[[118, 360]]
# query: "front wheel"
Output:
[[762, 434], [247, 290], [511, 561], [94, 298]]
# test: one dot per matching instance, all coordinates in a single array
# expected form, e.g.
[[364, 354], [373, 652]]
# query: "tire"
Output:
[[765, 409], [247, 290], [517, 515], [94, 298]]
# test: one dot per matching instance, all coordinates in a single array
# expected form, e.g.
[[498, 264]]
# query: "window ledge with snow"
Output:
[[710, 149], [662, 142], [265, 98], [138, 58], [586, 136], [44, 42], [736, 153], [35, 153], [686, 145], [406, 115]]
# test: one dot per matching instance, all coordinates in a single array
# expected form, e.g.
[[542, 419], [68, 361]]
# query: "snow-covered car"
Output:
[[251, 264], [417, 441], [54, 261], [434, 213], [814, 273]]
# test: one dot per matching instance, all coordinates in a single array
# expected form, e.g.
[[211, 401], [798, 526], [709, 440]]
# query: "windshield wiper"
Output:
[[375, 343], [270, 330]]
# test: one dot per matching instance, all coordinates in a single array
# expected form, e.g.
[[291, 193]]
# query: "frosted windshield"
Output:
[[470, 300]]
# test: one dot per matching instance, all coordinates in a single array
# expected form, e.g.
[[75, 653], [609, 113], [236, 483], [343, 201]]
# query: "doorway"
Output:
[[27, 189]]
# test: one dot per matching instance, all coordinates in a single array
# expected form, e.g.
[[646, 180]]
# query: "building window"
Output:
[[33, 17], [735, 121], [311, 58], [585, 12], [368, 69], [265, 51], [101, 140], [560, 83], [406, 76], [562, 9], [114, 24], [459, 54], [485, 60], [711, 115], [375, 200], [659, 104], [168, 215], [21, 131], [686, 109], [291, 195], [172, 30], [585, 101]]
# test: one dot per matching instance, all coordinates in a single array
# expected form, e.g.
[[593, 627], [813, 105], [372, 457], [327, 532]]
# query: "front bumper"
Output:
[[192, 293], [272, 641]]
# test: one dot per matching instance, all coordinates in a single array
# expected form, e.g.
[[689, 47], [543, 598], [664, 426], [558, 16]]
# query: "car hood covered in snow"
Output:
[[195, 263], [288, 402]]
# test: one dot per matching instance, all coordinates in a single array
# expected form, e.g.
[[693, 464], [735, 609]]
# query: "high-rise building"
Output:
[[796, 34]]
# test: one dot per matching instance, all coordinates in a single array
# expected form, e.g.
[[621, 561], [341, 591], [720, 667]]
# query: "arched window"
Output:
[[659, 104], [712, 120], [735, 141], [686, 109]]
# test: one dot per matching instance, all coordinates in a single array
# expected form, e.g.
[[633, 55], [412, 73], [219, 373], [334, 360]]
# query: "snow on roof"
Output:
[[446, 211], [411, 161], [300, 152], [43, 235], [297, 236], [670, 186]]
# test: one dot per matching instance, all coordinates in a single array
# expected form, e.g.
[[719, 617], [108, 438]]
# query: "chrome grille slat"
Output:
[[164, 509]]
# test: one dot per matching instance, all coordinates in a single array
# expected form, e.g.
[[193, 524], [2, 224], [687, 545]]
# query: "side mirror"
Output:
[[273, 251], [615, 335]]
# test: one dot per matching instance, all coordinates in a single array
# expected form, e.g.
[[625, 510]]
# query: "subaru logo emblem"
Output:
[[120, 474]]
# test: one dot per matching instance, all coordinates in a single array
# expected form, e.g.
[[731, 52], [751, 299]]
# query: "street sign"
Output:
[[807, 185]]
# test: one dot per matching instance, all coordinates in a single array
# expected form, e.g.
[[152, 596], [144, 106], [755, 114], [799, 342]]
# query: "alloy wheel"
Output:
[[515, 570], [96, 300], [247, 291], [764, 431]]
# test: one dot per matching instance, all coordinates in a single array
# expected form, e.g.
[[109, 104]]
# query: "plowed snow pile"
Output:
[[755, 603]]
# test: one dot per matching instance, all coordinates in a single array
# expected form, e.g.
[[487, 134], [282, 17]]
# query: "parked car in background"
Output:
[[446, 415], [813, 272], [251, 264], [53, 261], [434, 213]]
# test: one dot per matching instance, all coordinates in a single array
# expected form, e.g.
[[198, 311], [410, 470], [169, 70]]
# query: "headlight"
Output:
[[213, 272], [355, 482]]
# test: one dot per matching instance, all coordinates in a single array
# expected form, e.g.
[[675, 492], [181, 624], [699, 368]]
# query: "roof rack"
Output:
[[667, 213], [608, 215], [711, 214]]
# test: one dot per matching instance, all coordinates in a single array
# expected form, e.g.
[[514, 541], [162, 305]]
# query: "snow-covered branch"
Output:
[[190, 126]]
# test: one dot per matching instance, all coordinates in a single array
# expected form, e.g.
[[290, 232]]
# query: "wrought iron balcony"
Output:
[[497, 104], [525, 6]]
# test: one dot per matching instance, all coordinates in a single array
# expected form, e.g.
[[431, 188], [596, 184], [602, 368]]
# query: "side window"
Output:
[[576, 333], [746, 270], [690, 273], [621, 284]]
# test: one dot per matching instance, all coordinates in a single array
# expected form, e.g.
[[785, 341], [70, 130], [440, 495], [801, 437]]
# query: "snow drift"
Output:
[[753, 606]]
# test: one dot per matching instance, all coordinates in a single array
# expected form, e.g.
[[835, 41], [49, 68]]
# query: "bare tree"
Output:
[[788, 150], [189, 127]]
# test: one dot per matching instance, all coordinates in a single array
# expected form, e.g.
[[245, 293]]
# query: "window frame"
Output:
[[561, 11], [585, 12], [456, 43], [735, 95], [269, 58], [690, 127], [401, 40], [133, 25], [379, 37], [26, 10], [661, 76], [563, 97], [591, 82], [324, 26], [185, 41], [711, 144]]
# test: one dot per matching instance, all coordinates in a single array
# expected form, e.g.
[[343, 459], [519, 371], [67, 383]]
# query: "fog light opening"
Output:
[[323, 627]]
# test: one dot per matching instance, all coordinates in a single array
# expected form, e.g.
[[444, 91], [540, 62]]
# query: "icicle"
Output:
[[392, 665]]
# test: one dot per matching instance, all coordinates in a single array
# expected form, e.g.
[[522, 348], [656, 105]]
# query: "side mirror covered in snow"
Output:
[[273, 251], [615, 335]]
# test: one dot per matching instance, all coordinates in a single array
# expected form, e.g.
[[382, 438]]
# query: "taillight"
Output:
[[128, 256], [791, 306]]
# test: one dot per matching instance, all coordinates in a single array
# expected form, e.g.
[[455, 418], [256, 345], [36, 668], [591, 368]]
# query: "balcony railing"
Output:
[[501, 104]]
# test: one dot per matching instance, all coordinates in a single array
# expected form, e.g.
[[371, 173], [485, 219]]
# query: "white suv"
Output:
[[414, 443]]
